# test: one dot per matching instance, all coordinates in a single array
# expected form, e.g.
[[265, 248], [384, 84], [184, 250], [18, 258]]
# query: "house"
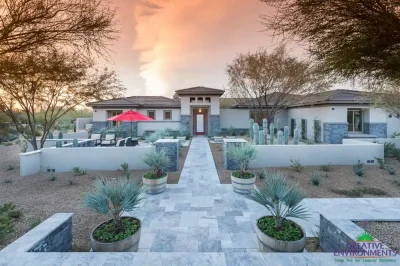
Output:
[[201, 111]]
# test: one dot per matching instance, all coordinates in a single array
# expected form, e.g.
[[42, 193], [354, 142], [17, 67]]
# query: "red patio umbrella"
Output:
[[130, 116]]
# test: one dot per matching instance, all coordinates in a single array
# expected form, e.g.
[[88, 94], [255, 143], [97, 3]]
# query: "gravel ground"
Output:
[[386, 232], [339, 182], [40, 198]]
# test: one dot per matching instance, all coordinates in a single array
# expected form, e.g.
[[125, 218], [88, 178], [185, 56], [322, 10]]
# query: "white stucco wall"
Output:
[[237, 118], [377, 115], [345, 154], [186, 105], [29, 163], [157, 125], [393, 124], [283, 116], [101, 114], [312, 113], [96, 158]]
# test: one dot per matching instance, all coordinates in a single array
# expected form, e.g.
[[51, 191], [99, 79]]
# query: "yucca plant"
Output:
[[113, 197], [281, 197], [157, 160], [153, 137], [243, 155]]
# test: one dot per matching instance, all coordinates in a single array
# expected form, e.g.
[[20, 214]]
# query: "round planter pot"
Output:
[[268, 244], [243, 185], [129, 244], [155, 186]]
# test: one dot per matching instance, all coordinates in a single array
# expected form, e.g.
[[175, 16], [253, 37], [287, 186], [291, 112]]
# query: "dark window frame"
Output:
[[166, 111], [148, 113]]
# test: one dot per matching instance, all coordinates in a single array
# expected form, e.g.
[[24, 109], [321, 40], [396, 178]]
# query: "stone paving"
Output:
[[201, 215]]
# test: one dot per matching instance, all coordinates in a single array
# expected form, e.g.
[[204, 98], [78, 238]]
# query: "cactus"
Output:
[[50, 135], [280, 137], [58, 144], [256, 129], [261, 138], [296, 136], [286, 135], [265, 128], [278, 123], [251, 123], [60, 135], [74, 143], [271, 133]]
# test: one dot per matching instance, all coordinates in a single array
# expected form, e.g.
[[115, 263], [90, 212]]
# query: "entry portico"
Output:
[[200, 110]]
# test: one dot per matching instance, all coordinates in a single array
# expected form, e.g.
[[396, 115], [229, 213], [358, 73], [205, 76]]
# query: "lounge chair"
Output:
[[96, 138], [109, 140], [131, 143], [121, 143]]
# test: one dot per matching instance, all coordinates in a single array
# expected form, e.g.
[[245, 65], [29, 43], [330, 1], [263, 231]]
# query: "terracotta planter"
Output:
[[155, 186], [268, 244], [129, 244], [243, 185]]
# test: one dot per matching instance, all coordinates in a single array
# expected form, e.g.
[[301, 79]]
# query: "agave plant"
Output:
[[281, 197], [157, 160], [243, 155], [114, 196], [153, 137]]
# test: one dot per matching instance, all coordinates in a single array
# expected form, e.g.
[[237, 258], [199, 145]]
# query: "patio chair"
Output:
[[120, 143], [96, 138], [109, 140], [131, 143]]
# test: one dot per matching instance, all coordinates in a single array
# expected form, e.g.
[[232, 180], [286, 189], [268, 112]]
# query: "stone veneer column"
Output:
[[229, 163], [172, 148], [335, 132], [214, 124], [185, 123], [378, 129]]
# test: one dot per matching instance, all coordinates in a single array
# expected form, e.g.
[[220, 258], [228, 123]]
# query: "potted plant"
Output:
[[115, 196], [282, 198], [156, 181], [242, 181], [231, 133]]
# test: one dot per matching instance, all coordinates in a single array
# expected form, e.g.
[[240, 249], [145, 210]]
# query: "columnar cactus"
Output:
[[60, 135], [296, 136], [265, 128], [58, 144], [278, 122], [286, 135], [251, 123], [280, 137], [261, 138], [51, 135], [271, 133], [256, 129], [74, 143]]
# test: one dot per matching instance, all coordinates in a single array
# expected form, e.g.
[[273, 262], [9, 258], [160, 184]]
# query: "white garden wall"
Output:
[[396, 142], [29, 163], [237, 118], [309, 155], [156, 125]]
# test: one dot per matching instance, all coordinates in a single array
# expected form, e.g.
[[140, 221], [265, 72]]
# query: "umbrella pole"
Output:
[[131, 129]]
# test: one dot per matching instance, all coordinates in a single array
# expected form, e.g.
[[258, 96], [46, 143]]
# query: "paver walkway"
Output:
[[201, 215]]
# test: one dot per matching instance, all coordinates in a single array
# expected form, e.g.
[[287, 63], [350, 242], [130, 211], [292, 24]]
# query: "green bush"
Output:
[[358, 169], [315, 179], [296, 166], [381, 163], [8, 215], [78, 172], [391, 171], [390, 149], [325, 167]]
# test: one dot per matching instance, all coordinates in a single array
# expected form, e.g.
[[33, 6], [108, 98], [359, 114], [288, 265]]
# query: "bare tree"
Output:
[[29, 25], [267, 82], [53, 83]]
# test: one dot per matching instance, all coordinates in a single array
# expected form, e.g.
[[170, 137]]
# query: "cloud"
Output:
[[184, 43]]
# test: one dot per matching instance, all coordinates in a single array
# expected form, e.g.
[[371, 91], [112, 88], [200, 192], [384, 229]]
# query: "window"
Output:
[[167, 115], [208, 99], [199, 99], [112, 113], [151, 113], [192, 99]]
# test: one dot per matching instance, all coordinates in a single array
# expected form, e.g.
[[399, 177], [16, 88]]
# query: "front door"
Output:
[[355, 120], [200, 121]]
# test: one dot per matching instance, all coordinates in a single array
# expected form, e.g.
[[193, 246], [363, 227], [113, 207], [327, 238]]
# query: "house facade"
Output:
[[337, 114]]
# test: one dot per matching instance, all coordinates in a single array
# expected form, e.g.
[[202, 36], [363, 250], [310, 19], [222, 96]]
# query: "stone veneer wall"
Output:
[[98, 126], [335, 132], [229, 163], [185, 123], [378, 129], [214, 124], [331, 237], [172, 147]]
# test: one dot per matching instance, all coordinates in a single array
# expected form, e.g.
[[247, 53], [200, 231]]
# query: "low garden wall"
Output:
[[53, 235], [30, 162], [309, 155]]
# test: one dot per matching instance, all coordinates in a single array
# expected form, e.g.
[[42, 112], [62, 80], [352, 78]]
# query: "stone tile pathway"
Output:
[[201, 215]]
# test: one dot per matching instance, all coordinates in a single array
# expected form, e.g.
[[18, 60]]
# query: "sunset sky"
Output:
[[167, 45]]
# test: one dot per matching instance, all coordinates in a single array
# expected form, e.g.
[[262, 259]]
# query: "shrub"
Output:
[[8, 214], [23, 145], [243, 155], [391, 171], [52, 176], [153, 137], [261, 174], [390, 149], [157, 160], [231, 131], [113, 197], [358, 169], [125, 167], [78, 172], [282, 199], [7, 181], [315, 179], [296, 165], [10, 168], [381, 163], [325, 167], [218, 133]]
